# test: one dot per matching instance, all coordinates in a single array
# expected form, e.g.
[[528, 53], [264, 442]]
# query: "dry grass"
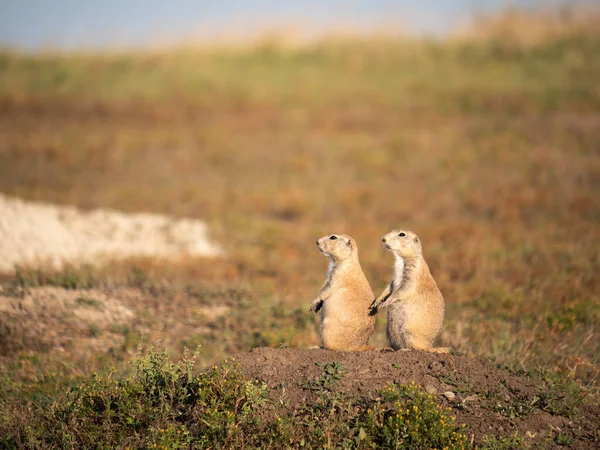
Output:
[[490, 153], [531, 27]]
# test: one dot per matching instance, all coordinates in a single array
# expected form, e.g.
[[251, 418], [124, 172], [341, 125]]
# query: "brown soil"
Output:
[[490, 400]]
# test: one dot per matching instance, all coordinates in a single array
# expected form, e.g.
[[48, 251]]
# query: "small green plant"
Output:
[[333, 372], [139, 278], [564, 440], [94, 330], [461, 387], [410, 418], [512, 408], [177, 437], [503, 443], [90, 302]]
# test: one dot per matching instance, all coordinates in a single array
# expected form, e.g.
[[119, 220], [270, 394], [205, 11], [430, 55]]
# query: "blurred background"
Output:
[[70, 24], [474, 123]]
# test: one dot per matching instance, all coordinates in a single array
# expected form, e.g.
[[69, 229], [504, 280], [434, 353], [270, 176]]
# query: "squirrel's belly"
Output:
[[343, 331], [412, 326], [395, 330]]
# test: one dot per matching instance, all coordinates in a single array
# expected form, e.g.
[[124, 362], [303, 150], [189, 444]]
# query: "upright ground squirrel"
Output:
[[345, 298], [415, 304]]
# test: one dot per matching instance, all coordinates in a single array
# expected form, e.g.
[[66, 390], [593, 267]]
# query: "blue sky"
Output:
[[32, 24]]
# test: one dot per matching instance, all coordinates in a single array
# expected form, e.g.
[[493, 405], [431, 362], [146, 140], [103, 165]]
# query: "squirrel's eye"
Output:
[[402, 234], [333, 238]]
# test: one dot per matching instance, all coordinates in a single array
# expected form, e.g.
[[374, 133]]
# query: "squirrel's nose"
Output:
[[383, 239]]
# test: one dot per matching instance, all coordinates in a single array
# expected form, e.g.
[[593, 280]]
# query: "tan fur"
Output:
[[415, 304], [345, 298]]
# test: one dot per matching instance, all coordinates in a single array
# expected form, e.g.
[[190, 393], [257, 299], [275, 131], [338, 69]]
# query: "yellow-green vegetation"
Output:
[[487, 146], [414, 420], [166, 405], [154, 406]]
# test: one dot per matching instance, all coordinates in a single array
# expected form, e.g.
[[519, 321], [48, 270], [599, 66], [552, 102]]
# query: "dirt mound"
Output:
[[33, 233], [490, 400]]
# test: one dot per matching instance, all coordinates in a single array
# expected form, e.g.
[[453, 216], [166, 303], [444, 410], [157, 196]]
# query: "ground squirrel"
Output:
[[345, 298], [415, 304]]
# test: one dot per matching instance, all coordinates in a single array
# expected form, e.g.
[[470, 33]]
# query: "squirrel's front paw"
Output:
[[373, 308]]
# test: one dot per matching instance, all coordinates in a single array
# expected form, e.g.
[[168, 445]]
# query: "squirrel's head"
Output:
[[337, 246], [402, 243]]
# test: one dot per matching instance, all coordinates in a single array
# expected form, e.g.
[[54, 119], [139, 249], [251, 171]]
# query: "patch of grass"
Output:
[[90, 302], [70, 277], [513, 408], [95, 331], [503, 443], [131, 339], [564, 440], [223, 319], [561, 395], [460, 387], [574, 314], [159, 402], [333, 372]]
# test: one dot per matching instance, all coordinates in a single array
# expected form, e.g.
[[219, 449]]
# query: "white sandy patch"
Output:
[[37, 233]]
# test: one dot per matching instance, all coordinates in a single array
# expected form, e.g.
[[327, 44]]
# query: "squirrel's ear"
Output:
[[349, 244], [416, 239]]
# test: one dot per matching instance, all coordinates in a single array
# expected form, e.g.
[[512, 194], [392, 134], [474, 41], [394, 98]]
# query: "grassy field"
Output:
[[488, 148]]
